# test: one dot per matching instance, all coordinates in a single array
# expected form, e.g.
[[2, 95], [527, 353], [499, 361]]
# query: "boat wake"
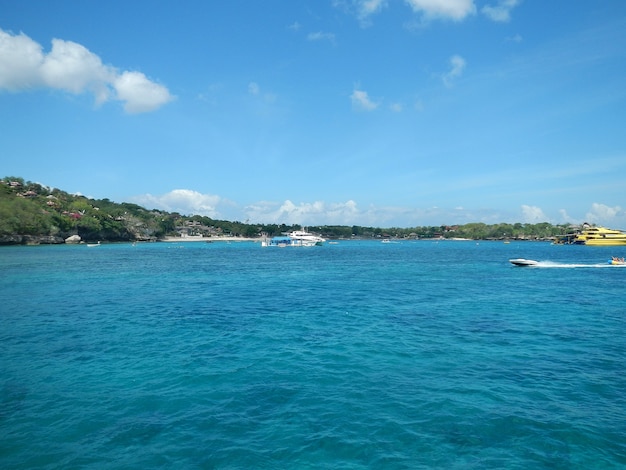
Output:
[[552, 264]]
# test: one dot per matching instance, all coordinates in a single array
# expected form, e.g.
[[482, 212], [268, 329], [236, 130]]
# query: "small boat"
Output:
[[617, 261], [523, 262]]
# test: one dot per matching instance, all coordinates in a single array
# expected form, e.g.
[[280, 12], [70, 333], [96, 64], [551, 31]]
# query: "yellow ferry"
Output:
[[600, 236]]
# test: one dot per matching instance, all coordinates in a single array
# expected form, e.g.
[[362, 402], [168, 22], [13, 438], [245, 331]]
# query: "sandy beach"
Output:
[[209, 239]]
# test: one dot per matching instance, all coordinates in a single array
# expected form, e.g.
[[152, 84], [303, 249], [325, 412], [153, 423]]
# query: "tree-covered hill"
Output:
[[29, 211], [32, 213]]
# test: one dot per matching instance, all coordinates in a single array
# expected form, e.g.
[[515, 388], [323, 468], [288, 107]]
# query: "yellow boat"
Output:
[[600, 236]]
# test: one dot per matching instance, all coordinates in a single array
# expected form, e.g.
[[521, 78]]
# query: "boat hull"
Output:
[[605, 242], [523, 262]]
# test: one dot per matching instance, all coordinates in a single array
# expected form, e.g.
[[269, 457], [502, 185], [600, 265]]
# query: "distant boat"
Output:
[[90, 245], [523, 262], [295, 238]]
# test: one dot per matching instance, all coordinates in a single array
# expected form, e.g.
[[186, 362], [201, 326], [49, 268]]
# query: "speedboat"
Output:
[[600, 236], [523, 262], [295, 238]]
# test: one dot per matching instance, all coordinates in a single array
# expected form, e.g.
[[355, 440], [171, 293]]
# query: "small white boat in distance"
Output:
[[523, 262]]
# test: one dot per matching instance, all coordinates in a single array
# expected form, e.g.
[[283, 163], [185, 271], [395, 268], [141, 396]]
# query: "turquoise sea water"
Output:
[[349, 356]]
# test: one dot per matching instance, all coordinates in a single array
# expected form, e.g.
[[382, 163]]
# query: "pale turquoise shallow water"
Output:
[[350, 356]]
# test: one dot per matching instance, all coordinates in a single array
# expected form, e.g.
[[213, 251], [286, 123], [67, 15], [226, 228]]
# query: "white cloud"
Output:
[[456, 10], [71, 67], [361, 101], [20, 62], [603, 214], [349, 213], [140, 94], [564, 216], [306, 213], [183, 201], [457, 66], [533, 214], [366, 8], [369, 7], [295, 26], [253, 88], [362, 9], [293, 213], [515, 38], [321, 36], [190, 202], [500, 12]]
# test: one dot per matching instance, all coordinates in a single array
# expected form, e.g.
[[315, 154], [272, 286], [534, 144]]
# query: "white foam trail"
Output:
[[551, 264]]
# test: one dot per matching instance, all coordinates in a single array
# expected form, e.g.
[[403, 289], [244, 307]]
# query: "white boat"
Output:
[[295, 238], [523, 262]]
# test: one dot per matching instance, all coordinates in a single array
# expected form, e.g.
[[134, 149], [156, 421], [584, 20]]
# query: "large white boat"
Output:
[[295, 238], [600, 236]]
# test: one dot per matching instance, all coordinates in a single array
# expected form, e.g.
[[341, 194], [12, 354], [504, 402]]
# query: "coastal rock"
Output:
[[10, 239], [16, 239], [41, 240], [73, 239]]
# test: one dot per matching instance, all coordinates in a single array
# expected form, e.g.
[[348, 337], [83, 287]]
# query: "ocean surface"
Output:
[[355, 355]]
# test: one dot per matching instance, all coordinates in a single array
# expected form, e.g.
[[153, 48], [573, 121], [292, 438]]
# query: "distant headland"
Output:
[[31, 214]]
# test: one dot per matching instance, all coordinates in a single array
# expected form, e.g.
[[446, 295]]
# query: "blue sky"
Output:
[[353, 112]]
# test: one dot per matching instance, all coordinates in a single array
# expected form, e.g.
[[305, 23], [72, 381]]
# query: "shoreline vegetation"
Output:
[[32, 214]]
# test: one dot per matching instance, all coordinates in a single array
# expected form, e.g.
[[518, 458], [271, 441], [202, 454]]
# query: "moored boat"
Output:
[[600, 236], [295, 238]]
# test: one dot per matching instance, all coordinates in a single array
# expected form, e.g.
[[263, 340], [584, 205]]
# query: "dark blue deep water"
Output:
[[357, 355]]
